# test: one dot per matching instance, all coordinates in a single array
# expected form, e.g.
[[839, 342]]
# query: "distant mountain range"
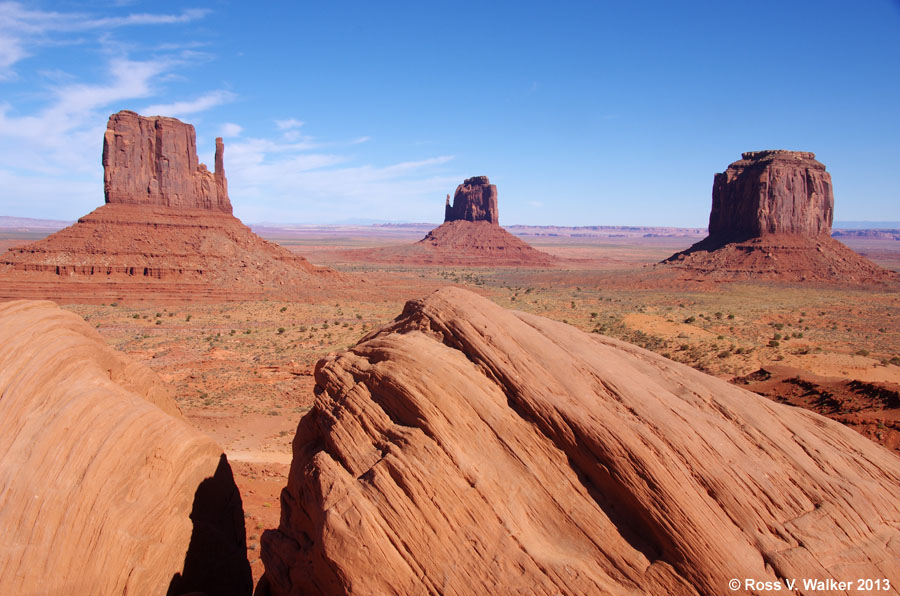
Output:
[[28, 224]]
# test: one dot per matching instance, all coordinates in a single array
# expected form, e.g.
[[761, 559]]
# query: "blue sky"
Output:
[[582, 113]]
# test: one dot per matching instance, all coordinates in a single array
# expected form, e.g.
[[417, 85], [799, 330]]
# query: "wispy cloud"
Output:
[[289, 124], [185, 108], [22, 28], [360, 140], [230, 129]]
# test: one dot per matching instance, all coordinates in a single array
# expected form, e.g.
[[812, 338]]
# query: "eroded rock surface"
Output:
[[771, 219], [104, 488], [153, 161], [474, 200], [772, 192], [468, 449]]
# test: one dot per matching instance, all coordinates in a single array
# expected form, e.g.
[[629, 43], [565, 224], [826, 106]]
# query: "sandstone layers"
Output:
[[474, 200], [771, 219], [467, 449], [166, 231], [104, 488], [153, 161]]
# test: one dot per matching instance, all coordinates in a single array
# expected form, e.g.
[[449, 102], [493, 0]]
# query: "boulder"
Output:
[[104, 488], [468, 449]]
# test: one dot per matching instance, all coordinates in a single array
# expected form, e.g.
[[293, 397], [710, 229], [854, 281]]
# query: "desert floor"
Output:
[[243, 370]]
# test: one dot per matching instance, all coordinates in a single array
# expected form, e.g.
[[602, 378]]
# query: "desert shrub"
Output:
[[358, 316], [895, 361], [779, 326], [776, 337], [135, 316], [690, 319], [774, 343], [324, 325], [593, 315], [283, 309], [187, 318], [730, 316], [724, 354], [862, 352], [718, 315], [158, 315], [159, 322], [281, 330]]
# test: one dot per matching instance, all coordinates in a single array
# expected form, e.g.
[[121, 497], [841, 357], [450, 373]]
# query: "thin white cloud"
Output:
[[185, 108], [21, 28], [230, 129], [289, 124], [360, 140]]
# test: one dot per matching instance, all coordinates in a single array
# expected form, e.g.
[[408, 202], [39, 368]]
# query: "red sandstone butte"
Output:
[[165, 233], [474, 200], [469, 449], [153, 161], [771, 219], [772, 192], [104, 487]]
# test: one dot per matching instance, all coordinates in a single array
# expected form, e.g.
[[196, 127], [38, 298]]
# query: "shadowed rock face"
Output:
[[153, 161], [468, 449], [104, 488], [475, 200], [772, 192]]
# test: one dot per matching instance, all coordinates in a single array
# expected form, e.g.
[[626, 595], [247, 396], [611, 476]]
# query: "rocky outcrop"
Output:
[[474, 200], [153, 161], [467, 449], [771, 219], [165, 233], [104, 488], [772, 192]]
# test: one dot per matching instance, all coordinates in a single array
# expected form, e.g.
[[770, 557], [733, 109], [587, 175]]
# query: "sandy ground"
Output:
[[243, 370]]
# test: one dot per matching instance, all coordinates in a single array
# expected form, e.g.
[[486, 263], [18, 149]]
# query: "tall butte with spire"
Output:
[[166, 231], [771, 219], [471, 232]]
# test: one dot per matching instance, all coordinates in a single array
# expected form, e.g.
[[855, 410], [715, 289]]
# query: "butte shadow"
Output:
[[104, 487]]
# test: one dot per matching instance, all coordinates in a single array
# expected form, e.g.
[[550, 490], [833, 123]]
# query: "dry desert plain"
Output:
[[243, 370]]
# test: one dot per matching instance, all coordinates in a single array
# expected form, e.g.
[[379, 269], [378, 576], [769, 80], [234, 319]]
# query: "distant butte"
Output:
[[471, 232], [771, 219], [166, 232], [474, 200]]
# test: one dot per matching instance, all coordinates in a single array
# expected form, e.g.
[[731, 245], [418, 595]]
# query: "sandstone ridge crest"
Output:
[[469, 449]]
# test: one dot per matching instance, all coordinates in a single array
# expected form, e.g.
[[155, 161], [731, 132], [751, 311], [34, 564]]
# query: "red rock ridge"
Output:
[[104, 488], [468, 449], [153, 161]]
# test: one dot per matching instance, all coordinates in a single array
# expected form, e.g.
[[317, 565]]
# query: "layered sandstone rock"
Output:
[[153, 161], [467, 449], [104, 488], [166, 232], [771, 219], [474, 200], [772, 192]]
